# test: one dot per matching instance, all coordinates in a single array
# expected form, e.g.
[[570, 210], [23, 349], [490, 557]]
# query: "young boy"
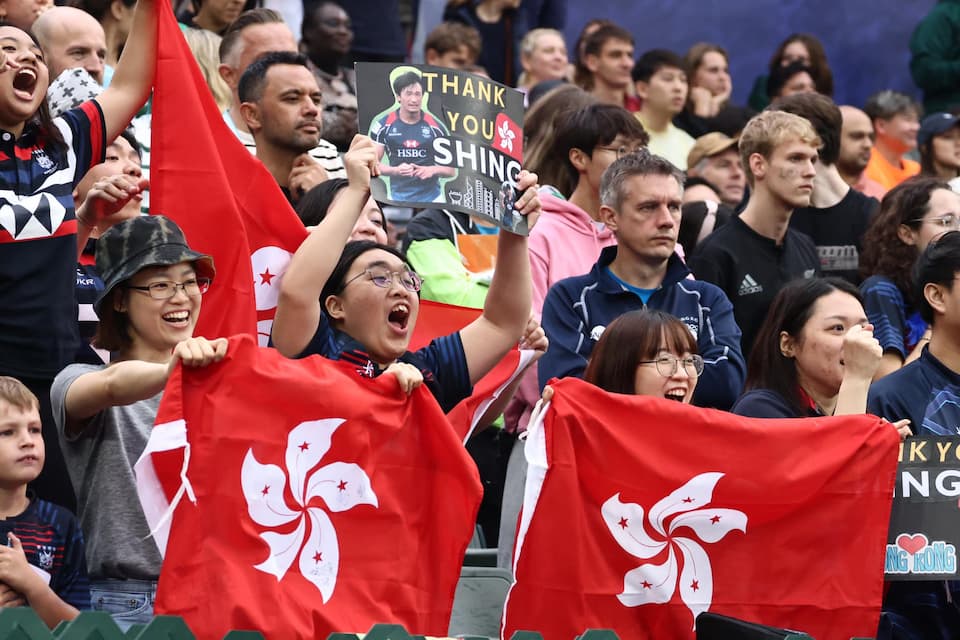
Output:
[[43, 564]]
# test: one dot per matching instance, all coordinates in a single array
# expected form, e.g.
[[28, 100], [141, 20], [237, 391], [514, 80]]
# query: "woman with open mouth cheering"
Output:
[[360, 303], [42, 160]]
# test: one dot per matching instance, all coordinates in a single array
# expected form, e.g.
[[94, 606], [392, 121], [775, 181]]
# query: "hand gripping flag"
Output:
[[321, 501], [641, 513]]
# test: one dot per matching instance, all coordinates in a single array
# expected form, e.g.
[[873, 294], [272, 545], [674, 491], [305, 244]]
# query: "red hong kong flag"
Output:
[[335, 507], [641, 513], [223, 198]]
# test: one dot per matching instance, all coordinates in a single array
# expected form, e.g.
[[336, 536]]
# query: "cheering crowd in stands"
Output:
[[789, 258]]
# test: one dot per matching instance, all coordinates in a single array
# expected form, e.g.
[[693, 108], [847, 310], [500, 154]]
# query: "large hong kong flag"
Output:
[[315, 500], [230, 207], [641, 513]]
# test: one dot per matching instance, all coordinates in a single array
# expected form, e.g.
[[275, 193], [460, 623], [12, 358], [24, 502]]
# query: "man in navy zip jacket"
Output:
[[640, 198]]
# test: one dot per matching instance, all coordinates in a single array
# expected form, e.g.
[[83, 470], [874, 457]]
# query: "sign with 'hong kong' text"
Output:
[[925, 520], [447, 139]]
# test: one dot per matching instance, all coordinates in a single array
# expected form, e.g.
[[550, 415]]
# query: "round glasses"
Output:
[[383, 278], [166, 289], [667, 365]]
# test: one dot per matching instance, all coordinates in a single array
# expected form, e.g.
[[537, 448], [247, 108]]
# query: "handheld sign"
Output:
[[449, 139], [925, 519]]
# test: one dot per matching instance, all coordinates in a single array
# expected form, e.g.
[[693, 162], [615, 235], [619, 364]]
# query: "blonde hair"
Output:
[[16, 394], [768, 130], [205, 46], [529, 44]]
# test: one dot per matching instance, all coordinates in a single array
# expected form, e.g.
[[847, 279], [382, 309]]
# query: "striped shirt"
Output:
[[53, 544], [38, 244]]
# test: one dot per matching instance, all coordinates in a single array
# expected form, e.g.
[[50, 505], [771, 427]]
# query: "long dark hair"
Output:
[[819, 67], [49, 134], [631, 338], [927, 166], [768, 367], [884, 253], [314, 205]]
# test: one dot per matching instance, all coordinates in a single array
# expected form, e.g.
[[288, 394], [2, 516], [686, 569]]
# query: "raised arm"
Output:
[[130, 381], [298, 306], [507, 307], [133, 78], [861, 356]]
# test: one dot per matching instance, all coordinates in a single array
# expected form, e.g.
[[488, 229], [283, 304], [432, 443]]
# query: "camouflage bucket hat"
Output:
[[144, 241]]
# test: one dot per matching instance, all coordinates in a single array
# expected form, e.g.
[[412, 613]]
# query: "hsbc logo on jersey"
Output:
[[411, 144], [416, 153]]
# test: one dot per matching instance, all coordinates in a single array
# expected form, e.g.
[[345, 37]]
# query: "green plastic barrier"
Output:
[[22, 623]]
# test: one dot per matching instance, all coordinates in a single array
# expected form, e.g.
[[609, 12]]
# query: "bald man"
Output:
[[856, 142], [70, 39]]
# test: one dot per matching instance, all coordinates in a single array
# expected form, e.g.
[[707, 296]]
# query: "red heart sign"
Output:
[[912, 544]]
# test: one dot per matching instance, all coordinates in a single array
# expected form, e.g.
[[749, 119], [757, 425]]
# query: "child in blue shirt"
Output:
[[42, 564]]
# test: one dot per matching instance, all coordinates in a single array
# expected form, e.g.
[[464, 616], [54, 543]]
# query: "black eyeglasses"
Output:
[[667, 365], [166, 289], [383, 278]]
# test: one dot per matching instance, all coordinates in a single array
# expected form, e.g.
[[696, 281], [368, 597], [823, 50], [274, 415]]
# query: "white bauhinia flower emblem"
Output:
[[685, 507], [506, 136], [313, 543]]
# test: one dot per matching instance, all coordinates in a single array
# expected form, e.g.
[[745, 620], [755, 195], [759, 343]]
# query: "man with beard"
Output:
[[255, 33], [280, 104], [71, 38], [856, 145], [327, 36]]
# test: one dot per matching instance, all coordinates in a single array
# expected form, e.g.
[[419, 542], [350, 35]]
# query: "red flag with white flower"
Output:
[[641, 513], [335, 507]]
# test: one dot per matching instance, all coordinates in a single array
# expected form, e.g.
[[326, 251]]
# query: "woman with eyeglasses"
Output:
[[359, 302], [646, 353], [912, 214], [153, 287], [815, 354]]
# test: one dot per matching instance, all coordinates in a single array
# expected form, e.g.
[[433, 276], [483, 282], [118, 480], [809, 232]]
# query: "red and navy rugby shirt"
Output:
[[53, 542], [38, 245]]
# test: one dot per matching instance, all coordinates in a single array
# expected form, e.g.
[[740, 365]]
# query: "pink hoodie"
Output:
[[565, 242]]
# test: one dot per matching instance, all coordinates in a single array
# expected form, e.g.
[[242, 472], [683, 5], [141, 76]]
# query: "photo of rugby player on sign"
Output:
[[447, 138], [405, 136]]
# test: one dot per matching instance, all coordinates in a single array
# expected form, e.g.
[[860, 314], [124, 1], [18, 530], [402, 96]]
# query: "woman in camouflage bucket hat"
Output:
[[154, 283]]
